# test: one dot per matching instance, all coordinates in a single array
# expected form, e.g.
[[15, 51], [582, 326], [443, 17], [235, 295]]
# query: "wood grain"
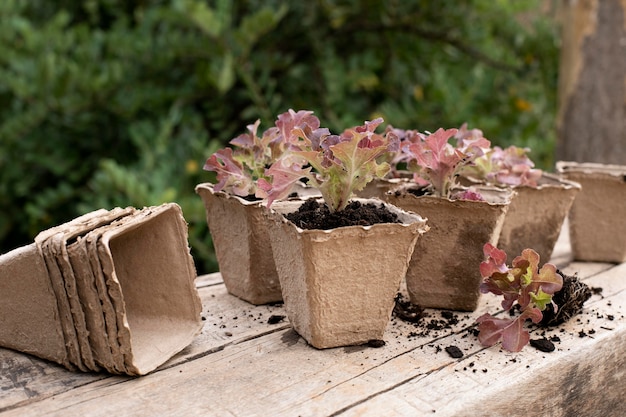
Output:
[[241, 365]]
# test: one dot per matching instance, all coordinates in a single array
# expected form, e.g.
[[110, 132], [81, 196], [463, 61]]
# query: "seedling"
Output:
[[522, 284]]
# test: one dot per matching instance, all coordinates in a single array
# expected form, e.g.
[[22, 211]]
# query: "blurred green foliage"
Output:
[[108, 103]]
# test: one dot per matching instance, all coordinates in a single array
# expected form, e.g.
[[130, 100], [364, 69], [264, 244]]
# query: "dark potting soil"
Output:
[[376, 343], [275, 319], [542, 344], [405, 310], [454, 352], [569, 299], [423, 322], [313, 215]]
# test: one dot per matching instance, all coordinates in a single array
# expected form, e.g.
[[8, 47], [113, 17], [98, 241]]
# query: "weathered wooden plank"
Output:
[[278, 374], [583, 377], [228, 320], [209, 279], [588, 364], [25, 378]]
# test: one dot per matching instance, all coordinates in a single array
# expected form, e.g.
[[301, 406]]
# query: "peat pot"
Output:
[[535, 216], [596, 220], [109, 291], [242, 246], [339, 285], [378, 187], [444, 269]]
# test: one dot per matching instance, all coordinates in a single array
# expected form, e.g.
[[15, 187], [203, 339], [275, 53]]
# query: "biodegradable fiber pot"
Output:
[[378, 187], [108, 291], [240, 237], [339, 285], [444, 270], [535, 216], [596, 220]]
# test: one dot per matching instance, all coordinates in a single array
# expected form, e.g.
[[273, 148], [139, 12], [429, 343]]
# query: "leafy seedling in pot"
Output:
[[436, 163], [336, 165], [240, 168], [508, 167]]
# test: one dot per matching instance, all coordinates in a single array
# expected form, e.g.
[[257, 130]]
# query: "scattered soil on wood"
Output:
[[423, 323], [275, 319], [376, 343], [543, 344], [569, 299], [315, 215], [454, 352], [407, 311]]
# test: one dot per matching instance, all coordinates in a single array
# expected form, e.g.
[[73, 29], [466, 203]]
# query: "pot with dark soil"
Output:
[[596, 220], [339, 280]]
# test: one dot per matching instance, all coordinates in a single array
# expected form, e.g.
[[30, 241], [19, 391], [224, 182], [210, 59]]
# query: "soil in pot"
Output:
[[315, 215]]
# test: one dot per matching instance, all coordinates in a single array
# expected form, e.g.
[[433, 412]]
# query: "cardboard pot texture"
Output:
[[378, 188], [242, 245], [125, 303], [339, 285], [444, 270], [536, 215], [596, 220]]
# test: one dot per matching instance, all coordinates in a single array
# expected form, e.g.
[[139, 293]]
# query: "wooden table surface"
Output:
[[242, 365]]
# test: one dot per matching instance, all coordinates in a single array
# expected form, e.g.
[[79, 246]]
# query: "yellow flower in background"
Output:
[[418, 93], [522, 105], [191, 166], [375, 115]]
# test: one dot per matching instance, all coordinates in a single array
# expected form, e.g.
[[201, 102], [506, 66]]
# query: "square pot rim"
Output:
[[409, 219], [261, 202], [613, 170], [223, 194], [505, 198], [554, 181]]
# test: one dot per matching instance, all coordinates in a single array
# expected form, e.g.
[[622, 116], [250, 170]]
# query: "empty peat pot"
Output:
[[110, 291]]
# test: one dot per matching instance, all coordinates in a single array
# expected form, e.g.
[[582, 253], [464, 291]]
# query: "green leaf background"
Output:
[[108, 103]]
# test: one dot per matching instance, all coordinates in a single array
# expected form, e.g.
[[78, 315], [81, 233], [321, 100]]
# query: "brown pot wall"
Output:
[[535, 217], [54, 293], [444, 269], [379, 187], [242, 245], [339, 285], [596, 220]]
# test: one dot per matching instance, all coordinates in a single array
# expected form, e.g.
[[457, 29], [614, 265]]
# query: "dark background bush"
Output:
[[109, 103]]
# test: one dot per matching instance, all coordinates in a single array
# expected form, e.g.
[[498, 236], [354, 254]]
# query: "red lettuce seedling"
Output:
[[337, 165], [522, 283], [239, 170], [504, 167], [437, 163]]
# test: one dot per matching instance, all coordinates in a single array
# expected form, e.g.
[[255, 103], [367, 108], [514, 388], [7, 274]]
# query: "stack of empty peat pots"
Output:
[[109, 291]]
